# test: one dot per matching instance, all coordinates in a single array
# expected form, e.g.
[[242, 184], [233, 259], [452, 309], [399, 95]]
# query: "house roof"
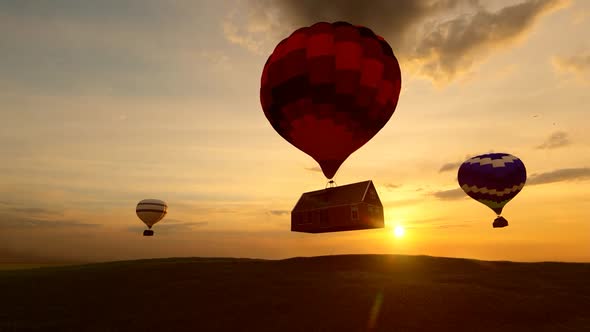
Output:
[[341, 195]]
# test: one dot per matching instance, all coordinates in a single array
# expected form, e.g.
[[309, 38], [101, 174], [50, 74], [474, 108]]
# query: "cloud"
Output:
[[454, 166], [217, 59], [8, 221], [390, 186], [449, 167], [578, 64], [466, 224], [455, 46], [450, 194], [187, 224], [440, 226], [31, 210], [437, 223], [279, 212], [581, 16], [560, 175], [18, 216], [170, 226], [557, 140], [21, 210], [34, 211], [314, 169], [253, 25], [425, 221], [392, 204], [439, 39]]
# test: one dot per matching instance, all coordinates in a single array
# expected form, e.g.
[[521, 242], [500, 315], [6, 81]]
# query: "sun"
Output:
[[399, 231]]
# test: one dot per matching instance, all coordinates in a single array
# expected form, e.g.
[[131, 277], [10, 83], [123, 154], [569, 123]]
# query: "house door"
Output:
[[354, 214]]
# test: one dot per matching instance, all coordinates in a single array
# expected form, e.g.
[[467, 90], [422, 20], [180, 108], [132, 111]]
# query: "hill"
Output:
[[328, 293]]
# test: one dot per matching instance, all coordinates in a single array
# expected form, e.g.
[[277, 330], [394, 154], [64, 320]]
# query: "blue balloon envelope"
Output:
[[493, 179]]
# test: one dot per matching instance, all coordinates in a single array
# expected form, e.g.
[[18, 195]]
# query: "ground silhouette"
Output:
[[327, 293]]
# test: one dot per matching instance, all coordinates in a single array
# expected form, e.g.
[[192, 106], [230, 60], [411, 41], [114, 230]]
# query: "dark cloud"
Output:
[[454, 46], [279, 212], [439, 38], [391, 186], [394, 18], [557, 140], [560, 175]]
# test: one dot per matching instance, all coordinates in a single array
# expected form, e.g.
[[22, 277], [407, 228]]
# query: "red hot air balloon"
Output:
[[329, 88]]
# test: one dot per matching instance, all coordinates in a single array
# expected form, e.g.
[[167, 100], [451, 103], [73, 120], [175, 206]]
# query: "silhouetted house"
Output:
[[345, 208]]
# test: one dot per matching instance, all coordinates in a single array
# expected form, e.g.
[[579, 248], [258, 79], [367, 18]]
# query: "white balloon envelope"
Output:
[[150, 211]]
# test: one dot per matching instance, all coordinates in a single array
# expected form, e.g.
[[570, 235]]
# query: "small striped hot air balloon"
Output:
[[150, 211], [493, 179]]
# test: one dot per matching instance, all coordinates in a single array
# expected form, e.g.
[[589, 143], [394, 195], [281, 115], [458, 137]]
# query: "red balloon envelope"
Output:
[[329, 88]]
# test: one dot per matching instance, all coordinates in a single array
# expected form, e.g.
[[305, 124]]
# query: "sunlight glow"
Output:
[[399, 231]]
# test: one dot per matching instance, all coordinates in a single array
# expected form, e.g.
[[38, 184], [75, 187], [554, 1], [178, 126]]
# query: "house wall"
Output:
[[372, 214], [337, 218], [372, 197]]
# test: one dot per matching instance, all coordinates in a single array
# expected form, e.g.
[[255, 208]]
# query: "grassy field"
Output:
[[330, 293], [21, 266]]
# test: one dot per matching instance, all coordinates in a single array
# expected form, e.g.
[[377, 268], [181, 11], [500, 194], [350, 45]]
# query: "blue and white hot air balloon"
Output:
[[493, 179], [150, 211]]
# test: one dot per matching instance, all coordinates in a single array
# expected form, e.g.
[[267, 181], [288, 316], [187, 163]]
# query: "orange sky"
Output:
[[105, 105]]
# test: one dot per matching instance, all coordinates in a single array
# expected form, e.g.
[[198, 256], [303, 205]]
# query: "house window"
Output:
[[354, 213], [373, 210]]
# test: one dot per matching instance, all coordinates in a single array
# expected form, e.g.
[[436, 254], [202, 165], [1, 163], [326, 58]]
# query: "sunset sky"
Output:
[[105, 103]]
